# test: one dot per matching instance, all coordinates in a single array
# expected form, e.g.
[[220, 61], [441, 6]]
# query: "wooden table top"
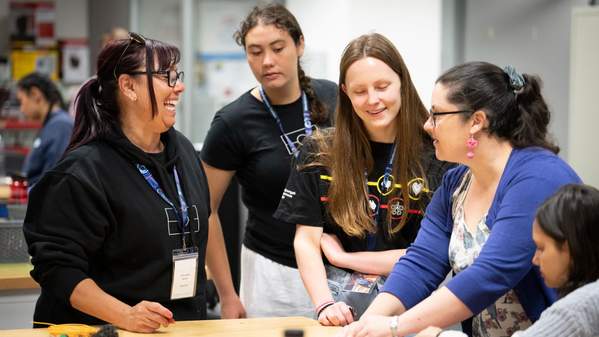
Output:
[[14, 276], [254, 327]]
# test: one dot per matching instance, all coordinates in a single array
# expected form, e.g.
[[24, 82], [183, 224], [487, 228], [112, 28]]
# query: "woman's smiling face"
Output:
[[374, 91]]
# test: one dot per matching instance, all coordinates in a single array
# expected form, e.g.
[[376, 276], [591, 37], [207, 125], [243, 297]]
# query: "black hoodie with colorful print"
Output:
[[95, 216]]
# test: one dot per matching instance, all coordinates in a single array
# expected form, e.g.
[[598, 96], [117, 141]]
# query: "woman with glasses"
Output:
[[118, 229], [478, 225], [40, 100], [357, 193], [253, 139]]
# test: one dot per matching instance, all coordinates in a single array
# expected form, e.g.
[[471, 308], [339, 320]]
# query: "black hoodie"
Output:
[[95, 216]]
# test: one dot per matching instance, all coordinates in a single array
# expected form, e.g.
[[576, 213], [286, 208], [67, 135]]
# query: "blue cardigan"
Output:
[[531, 175]]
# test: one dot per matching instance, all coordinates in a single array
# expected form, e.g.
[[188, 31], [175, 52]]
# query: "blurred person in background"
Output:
[[116, 33], [40, 100]]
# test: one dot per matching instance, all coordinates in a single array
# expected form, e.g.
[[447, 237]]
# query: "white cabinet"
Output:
[[583, 133], [16, 308]]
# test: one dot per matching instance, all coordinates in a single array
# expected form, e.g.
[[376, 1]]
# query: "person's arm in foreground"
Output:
[[145, 316], [312, 271], [216, 254], [376, 263]]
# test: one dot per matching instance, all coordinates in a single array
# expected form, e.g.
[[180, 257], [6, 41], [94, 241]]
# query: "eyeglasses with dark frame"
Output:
[[172, 76], [133, 37], [433, 114]]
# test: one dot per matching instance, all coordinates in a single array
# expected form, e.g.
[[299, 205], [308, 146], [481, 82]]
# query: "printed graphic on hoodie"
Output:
[[173, 222]]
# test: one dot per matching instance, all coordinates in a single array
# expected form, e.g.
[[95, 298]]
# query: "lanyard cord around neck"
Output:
[[386, 185], [307, 120], [183, 218]]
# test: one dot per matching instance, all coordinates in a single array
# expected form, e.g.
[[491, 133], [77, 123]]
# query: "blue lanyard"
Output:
[[307, 120], [388, 171], [183, 219], [371, 238]]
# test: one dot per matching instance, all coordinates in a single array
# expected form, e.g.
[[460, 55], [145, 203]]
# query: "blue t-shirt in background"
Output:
[[49, 146]]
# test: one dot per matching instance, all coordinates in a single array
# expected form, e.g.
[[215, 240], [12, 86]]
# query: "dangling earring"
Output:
[[471, 143]]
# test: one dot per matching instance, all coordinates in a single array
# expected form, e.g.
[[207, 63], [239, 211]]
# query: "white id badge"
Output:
[[185, 273]]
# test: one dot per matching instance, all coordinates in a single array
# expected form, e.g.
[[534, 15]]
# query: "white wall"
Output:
[[103, 16], [533, 36], [161, 20], [413, 26], [222, 72], [583, 154], [71, 19]]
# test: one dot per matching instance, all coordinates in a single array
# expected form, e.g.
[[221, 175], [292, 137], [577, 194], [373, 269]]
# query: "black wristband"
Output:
[[322, 308]]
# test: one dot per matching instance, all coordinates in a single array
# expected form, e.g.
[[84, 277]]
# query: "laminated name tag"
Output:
[[185, 273]]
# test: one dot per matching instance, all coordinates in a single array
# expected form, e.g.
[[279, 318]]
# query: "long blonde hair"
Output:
[[349, 153]]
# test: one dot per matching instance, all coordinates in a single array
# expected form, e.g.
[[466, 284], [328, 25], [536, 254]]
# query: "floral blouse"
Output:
[[506, 315]]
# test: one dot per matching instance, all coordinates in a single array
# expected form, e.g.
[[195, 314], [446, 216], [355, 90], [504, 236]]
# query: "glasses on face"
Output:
[[432, 115], [171, 76], [133, 37]]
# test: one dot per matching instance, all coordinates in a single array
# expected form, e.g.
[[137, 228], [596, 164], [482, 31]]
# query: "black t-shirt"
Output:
[[306, 197], [245, 138]]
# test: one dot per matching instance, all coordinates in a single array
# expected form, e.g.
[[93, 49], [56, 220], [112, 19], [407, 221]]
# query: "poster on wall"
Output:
[[75, 61], [27, 61], [218, 21], [224, 67], [44, 24], [32, 23], [227, 77]]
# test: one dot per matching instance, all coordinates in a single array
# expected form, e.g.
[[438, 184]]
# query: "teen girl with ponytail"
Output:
[[254, 139]]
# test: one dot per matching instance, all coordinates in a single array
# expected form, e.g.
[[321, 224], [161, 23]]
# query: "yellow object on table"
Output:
[[254, 327], [71, 330]]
